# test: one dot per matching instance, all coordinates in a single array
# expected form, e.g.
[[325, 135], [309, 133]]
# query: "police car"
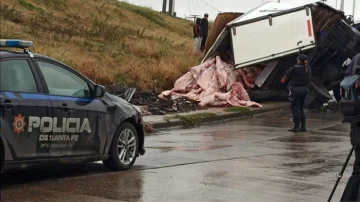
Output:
[[50, 113]]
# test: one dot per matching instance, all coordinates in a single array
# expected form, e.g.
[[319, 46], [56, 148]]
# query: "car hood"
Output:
[[123, 103]]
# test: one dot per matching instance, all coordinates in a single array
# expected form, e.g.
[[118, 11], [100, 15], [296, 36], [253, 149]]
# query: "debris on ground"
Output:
[[151, 104], [122, 90], [148, 128], [216, 83]]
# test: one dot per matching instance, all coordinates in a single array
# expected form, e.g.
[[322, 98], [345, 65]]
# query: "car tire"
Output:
[[124, 148]]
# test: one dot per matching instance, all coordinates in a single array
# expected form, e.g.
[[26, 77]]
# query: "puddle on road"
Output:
[[316, 167], [306, 139], [284, 119], [162, 149], [298, 164], [210, 147], [338, 128], [305, 163], [299, 186], [221, 135], [190, 148]]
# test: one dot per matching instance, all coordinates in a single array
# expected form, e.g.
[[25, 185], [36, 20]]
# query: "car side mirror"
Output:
[[99, 91]]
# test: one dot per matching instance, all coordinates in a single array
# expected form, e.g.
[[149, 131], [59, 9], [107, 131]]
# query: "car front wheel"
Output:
[[124, 149]]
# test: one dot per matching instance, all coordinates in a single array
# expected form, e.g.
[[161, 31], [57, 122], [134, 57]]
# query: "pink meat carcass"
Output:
[[215, 83]]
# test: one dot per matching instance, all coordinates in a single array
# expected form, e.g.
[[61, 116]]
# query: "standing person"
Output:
[[197, 35], [204, 30], [351, 192], [298, 78]]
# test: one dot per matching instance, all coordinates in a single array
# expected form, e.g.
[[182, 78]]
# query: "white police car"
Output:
[[50, 113]]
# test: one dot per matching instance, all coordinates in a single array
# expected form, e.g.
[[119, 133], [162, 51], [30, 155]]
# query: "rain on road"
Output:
[[247, 160]]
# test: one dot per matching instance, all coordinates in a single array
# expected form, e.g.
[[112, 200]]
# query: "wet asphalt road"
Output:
[[248, 160]]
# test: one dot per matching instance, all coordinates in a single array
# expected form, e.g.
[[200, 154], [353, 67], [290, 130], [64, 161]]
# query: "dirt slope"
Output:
[[107, 40]]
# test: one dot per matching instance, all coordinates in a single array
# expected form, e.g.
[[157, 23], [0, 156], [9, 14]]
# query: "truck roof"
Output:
[[262, 10], [269, 8]]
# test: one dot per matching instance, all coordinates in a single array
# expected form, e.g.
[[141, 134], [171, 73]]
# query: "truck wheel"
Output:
[[124, 148]]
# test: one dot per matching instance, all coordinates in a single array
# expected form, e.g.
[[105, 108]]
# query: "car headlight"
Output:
[[138, 109]]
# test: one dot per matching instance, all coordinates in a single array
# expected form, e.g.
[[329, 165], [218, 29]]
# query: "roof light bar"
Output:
[[15, 43]]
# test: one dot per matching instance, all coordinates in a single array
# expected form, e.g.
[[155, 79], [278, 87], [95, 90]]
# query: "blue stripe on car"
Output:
[[10, 95], [27, 96], [51, 97], [33, 96]]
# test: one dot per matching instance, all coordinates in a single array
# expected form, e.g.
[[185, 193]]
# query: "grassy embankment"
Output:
[[107, 40]]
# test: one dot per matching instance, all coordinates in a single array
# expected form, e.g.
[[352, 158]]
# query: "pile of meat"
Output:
[[216, 83]]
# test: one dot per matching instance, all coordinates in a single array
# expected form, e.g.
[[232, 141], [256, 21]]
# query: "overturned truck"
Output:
[[273, 34]]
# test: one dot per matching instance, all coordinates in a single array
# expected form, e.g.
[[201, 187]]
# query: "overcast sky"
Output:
[[198, 7]]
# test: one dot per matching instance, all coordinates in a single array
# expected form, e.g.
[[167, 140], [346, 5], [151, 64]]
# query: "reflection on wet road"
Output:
[[248, 160]]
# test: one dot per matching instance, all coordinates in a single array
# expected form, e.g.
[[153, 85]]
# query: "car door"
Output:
[[80, 121], [21, 100]]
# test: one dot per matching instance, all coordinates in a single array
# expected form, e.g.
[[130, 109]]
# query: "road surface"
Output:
[[248, 160]]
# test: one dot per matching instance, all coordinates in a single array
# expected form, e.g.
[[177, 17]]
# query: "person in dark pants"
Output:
[[204, 30], [197, 35], [298, 78], [351, 192]]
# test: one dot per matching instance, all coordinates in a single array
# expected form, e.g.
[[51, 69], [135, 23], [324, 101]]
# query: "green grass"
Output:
[[28, 5], [147, 13], [11, 14], [192, 120], [107, 40], [54, 4]]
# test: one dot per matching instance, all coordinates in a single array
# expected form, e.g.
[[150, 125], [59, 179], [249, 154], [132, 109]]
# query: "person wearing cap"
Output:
[[204, 30], [298, 78]]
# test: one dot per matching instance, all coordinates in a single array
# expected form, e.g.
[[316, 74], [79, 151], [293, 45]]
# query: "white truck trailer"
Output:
[[274, 33]]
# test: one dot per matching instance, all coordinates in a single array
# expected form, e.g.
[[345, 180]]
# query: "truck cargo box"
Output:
[[272, 35], [258, 29]]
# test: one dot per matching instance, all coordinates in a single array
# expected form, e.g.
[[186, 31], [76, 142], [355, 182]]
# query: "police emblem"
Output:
[[19, 124]]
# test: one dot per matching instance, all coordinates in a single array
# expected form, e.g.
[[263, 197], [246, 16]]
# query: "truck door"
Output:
[[79, 122], [21, 99], [273, 36]]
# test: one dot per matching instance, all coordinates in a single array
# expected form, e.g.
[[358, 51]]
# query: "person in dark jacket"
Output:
[[204, 30], [298, 78], [197, 35], [355, 62], [351, 192]]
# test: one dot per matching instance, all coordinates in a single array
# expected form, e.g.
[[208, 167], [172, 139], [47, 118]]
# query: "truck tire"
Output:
[[329, 72], [318, 93], [124, 148]]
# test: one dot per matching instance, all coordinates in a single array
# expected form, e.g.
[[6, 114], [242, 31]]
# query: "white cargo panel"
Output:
[[272, 37], [265, 9]]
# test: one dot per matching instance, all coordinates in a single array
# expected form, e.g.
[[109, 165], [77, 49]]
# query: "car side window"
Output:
[[16, 76], [63, 82]]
